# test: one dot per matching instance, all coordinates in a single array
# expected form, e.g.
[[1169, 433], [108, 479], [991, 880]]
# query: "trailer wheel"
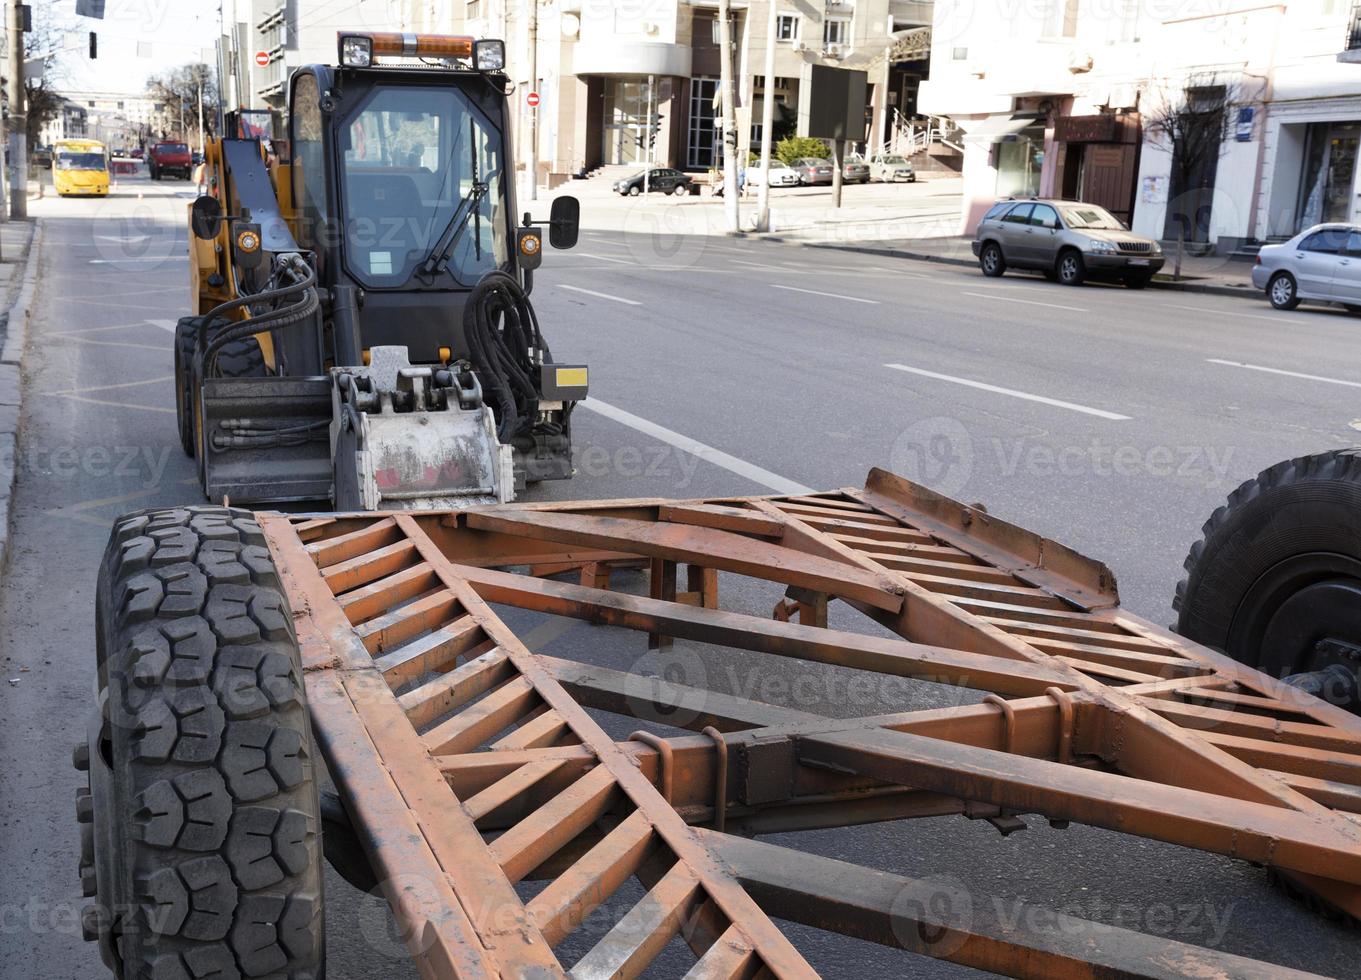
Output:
[[201, 825], [1276, 580]]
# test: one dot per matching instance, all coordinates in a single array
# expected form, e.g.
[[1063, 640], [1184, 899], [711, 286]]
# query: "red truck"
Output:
[[170, 157]]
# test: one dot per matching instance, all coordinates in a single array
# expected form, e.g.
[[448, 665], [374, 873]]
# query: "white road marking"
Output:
[[1288, 374], [1071, 406], [125, 384], [748, 471], [603, 258], [1249, 316], [592, 292], [122, 238], [164, 324], [143, 258], [814, 292], [96, 401], [1029, 302]]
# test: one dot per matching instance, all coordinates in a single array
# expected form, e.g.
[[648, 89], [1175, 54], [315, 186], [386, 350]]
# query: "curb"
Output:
[[11, 375], [1213, 289]]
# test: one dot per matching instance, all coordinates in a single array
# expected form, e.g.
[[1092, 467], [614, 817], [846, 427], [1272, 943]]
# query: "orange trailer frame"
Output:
[[467, 762]]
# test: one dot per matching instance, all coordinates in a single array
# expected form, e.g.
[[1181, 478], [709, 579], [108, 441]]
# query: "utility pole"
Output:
[[534, 110], [18, 116], [730, 205], [199, 72], [767, 123], [838, 170]]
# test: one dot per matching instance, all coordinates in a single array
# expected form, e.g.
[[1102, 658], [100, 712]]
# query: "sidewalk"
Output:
[[18, 278], [1208, 274]]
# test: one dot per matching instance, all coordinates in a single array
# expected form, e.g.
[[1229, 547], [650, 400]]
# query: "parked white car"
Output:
[[781, 175], [892, 167], [1322, 263]]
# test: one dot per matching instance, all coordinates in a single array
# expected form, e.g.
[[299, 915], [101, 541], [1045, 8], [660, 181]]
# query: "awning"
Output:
[[994, 128]]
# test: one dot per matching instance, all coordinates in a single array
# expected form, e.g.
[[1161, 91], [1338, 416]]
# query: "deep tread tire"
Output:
[[1304, 505], [208, 816], [241, 359], [185, 333]]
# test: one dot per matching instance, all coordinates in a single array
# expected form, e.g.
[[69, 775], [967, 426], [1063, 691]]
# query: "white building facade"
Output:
[[627, 82], [1061, 98]]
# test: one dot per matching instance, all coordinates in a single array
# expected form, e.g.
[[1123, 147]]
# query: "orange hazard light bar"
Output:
[[360, 50]]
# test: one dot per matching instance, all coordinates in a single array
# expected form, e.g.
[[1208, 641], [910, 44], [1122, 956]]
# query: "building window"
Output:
[[702, 144], [787, 27], [717, 35], [120, 105], [836, 31]]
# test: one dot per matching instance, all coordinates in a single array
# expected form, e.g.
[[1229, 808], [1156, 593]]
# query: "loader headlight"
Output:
[[489, 54], [356, 50]]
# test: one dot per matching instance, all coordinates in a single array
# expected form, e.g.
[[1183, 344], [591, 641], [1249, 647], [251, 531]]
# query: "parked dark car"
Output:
[[813, 170], [42, 156], [660, 180], [170, 157], [1066, 240]]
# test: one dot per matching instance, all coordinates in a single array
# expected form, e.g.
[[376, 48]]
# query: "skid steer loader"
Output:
[[361, 330]]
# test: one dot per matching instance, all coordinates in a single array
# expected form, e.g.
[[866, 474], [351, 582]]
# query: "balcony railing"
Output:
[[1354, 28]]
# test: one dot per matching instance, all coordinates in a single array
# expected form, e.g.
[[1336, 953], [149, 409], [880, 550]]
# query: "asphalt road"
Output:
[[721, 367]]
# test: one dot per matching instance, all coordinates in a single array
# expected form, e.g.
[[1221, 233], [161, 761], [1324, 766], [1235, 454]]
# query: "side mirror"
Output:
[[564, 224], [205, 217]]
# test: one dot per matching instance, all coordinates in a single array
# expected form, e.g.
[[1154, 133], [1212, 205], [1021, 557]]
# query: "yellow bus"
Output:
[[80, 167]]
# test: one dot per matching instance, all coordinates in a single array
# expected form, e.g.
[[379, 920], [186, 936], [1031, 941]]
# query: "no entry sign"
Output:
[[262, 59], [532, 99]]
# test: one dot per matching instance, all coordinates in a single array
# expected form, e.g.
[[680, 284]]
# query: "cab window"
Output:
[[309, 169], [1044, 217], [1019, 215]]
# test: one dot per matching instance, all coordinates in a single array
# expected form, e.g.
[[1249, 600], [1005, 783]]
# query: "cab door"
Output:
[[1316, 262]]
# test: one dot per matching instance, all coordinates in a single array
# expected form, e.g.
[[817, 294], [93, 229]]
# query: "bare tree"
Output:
[[1193, 121], [51, 45], [179, 90]]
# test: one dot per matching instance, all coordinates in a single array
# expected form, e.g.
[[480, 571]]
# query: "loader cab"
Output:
[[403, 187]]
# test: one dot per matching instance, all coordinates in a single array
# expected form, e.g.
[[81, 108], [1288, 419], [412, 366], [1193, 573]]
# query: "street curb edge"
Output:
[[16, 341], [897, 253]]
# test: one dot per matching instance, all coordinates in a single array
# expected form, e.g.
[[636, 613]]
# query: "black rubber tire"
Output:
[[1070, 273], [1282, 291], [635, 191], [185, 332], [1138, 280], [241, 359], [991, 260], [205, 817], [1303, 507]]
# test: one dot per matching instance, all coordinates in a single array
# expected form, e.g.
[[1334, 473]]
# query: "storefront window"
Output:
[[1020, 158], [1329, 172]]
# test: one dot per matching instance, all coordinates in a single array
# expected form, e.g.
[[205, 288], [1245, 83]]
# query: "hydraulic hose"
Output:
[[503, 336], [276, 319]]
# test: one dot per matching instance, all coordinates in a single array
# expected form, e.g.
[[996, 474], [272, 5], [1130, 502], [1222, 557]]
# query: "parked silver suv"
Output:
[[1066, 240]]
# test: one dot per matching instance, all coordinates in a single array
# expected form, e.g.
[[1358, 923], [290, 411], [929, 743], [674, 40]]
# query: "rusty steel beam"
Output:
[[942, 919], [470, 759]]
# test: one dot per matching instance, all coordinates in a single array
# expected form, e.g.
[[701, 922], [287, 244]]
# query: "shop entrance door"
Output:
[[1329, 173], [625, 122]]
